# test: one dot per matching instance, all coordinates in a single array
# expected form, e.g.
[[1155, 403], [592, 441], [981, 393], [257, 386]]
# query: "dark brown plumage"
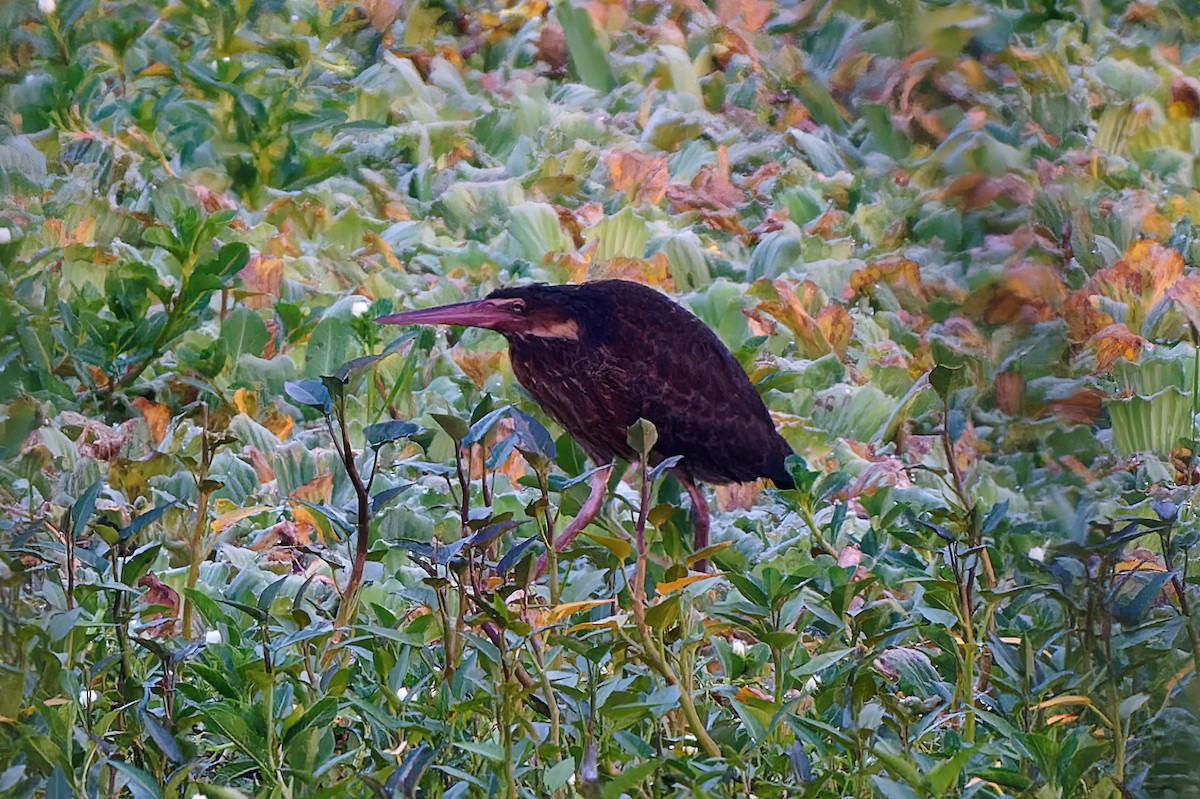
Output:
[[599, 355], [639, 354]]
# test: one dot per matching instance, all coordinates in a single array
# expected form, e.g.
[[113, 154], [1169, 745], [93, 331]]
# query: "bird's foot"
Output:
[[589, 511], [700, 519]]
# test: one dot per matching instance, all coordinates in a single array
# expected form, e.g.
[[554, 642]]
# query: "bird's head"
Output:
[[520, 311]]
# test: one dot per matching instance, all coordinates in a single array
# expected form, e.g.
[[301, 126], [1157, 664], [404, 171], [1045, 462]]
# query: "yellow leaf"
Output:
[[1073, 699], [1066, 699], [708, 552], [155, 70], [558, 613], [620, 548], [55, 701], [246, 402], [665, 589], [1061, 718], [234, 516], [610, 624]]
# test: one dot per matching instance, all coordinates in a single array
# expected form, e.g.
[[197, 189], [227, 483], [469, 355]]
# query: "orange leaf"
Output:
[[1083, 318], [1113, 342], [653, 271], [836, 326], [666, 589], [1026, 293], [262, 278], [236, 515], [786, 306], [98, 376], [317, 490], [279, 424], [156, 415], [713, 186], [1140, 279], [159, 593], [83, 232], [479, 366], [749, 693], [559, 612], [737, 495], [1009, 389], [902, 274], [641, 177], [282, 534], [262, 467], [1082, 407], [1186, 294]]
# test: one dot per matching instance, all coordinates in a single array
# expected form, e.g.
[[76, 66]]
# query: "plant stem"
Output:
[[196, 545], [649, 647], [348, 610], [548, 690]]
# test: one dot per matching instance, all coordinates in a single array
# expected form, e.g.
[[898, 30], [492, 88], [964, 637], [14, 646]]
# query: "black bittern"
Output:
[[600, 355]]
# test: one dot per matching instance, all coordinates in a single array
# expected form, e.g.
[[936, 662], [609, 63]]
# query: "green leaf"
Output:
[[628, 778], [946, 773], [328, 346], [514, 555], [821, 662], [311, 393], [244, 332], [81, 511], [532, 436], [219, 270], [147, 518], [22, 417], [139, 563], [270, 592], [456, 428], [557, 775], [379, 434], [490, 751], [356, 366], [642, 435], [480, 428], [161, 736], [139, 782], [941, 378], [583, 47]]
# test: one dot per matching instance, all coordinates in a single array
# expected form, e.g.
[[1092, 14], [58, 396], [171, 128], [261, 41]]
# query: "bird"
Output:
[[597, 356]]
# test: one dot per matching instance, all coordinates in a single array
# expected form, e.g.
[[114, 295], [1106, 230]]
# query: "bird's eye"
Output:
[[518, 306]]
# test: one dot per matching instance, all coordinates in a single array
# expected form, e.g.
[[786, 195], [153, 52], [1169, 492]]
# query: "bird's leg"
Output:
[[699, 518], [585, 516]]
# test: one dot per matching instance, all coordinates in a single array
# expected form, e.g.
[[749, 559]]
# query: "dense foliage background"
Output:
[[950, 241]]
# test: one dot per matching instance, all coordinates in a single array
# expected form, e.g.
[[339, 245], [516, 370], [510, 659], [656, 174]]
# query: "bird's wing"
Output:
[[704, 406]]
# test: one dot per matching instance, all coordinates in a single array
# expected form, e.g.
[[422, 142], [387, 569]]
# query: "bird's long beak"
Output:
[[477, 313]]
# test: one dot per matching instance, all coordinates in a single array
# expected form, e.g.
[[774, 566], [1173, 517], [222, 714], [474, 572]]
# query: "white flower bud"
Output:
[[47, 7], [360, 307], [5, 235], [88, 697], [212, 637]]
